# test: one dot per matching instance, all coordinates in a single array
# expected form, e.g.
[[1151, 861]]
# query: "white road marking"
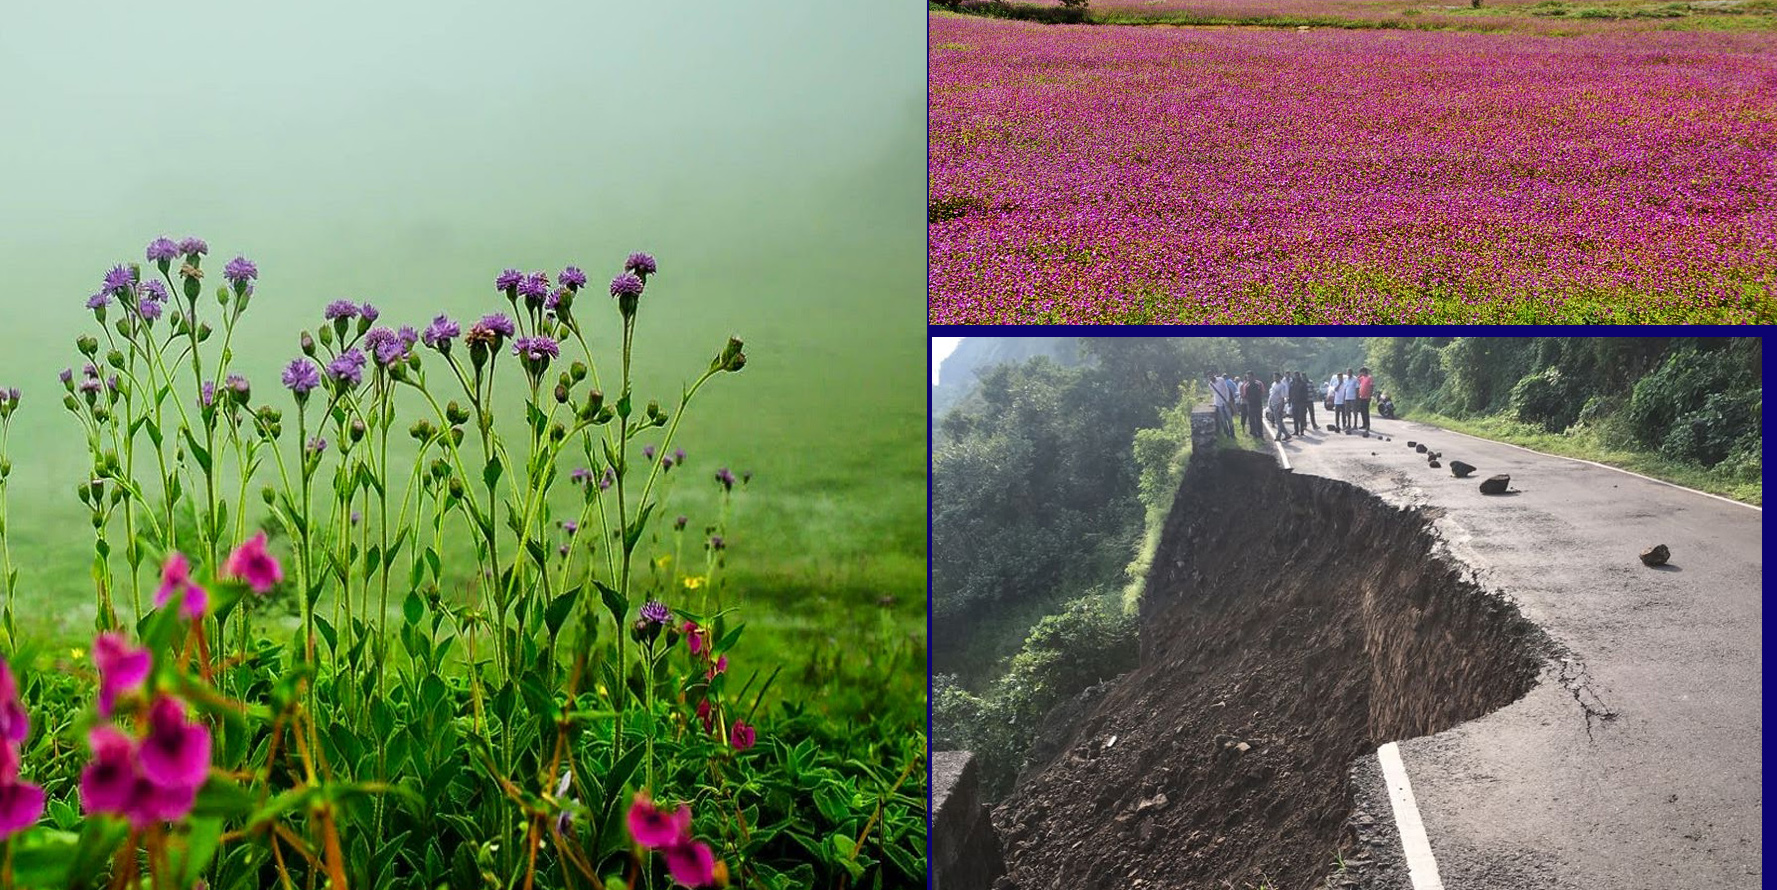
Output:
[[1596, 464], [1421, 867], [1284, 458]]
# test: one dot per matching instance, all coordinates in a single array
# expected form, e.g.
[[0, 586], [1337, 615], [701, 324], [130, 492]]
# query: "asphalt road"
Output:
[[1634, 764]]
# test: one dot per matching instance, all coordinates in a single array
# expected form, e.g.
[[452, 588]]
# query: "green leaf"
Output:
[[372, 559], [728, 639], [490, 474], [200, 847], [40, 857], [413, 608], [327, 633], [614, 601], [634, 533], [557, 612], [222, 799], [197, 451]]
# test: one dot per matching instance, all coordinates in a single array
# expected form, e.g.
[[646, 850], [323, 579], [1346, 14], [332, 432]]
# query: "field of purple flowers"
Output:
[[1112, 174]]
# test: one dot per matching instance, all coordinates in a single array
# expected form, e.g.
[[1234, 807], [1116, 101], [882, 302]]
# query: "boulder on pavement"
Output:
[[1460, 470], [1655, 556], [1411, 443], [1435, 465], [1496, 484], [1421, 448]]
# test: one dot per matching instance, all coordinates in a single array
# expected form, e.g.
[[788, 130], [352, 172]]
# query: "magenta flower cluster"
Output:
[[1110, 174], [689, 861], [21, 802]]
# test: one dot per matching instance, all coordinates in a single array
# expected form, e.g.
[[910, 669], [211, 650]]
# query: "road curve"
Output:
[[1635, 763]]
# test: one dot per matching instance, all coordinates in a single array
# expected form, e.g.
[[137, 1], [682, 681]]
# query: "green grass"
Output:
[[1588, 444]]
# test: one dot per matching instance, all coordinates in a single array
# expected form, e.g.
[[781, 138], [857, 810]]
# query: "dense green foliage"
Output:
[[1695, 402], [1092, 638], [481, 665]]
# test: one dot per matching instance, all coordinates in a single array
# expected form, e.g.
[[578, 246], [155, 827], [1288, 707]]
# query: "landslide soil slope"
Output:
[[1290, 625]]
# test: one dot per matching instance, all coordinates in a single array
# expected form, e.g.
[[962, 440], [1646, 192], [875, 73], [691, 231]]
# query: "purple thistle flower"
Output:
[[580, 476], [666, 463], [716, 542], [119, 279], [193, 247], [407, 335], [239, 386], [726, 478], [149, 309], [385, 345], [656, 612], [162, 249], [91, 385], [640, 263], [608, 479], [678, 455], [317, 445], [67, 376], [98, 301], [340, 309], [207, 397], [535, 286], [239, 271], [440, 332], [301, 375], [626, 285], [536, 349], [571, 277], [553, 301], [508, 280], [647, 452], [679, 523], [152, 289], [570, 526], [175, 753], [368, 313], [491, 328], [348, 367]]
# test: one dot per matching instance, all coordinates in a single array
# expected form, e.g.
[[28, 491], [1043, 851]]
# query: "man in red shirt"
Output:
[[1365, 387]]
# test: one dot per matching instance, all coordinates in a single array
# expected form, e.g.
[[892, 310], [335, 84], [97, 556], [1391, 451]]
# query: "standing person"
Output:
[[1255, 405], [1237, 388], [1350, 398], [1365, 386], [1218, 391], [1315, 398], [1279, 392], [1298, 389], [1338, 383]]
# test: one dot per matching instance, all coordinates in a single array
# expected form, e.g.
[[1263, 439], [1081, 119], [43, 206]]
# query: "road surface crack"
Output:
[[1577, 681]]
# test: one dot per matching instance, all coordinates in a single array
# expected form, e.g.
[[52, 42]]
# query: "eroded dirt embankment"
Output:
[[1291, 625]]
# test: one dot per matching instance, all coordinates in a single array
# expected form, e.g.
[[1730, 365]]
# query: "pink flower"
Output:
[[703, 713], [717, 668], [175, 578], [253, 563], [109, 779], [742, 736], [694, 638], [121, 668], [176, 753], [15, 724], [20, 805], [655, 828], [691, 863]]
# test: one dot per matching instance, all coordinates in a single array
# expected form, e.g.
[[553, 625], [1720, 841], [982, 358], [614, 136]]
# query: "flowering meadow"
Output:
[[1149, 174], [415, 614]]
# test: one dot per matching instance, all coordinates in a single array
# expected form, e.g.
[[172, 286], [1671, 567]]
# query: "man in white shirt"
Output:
[[1279, 392], [1338, 385], [1349, 386], [1218, 391]]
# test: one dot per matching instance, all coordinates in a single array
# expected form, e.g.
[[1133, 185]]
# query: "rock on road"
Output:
[[1635, 762]]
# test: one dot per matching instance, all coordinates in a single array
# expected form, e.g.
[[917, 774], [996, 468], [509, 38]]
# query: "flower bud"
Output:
[[87, 344], [268, 495], [357, 430], [456, 486], [578, 370], [203, 332], [561, 394], [308, 343], [454, 413], [326, 336], [114, 358]]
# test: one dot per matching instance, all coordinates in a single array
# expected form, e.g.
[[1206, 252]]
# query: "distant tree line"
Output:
[[1693, 400]]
